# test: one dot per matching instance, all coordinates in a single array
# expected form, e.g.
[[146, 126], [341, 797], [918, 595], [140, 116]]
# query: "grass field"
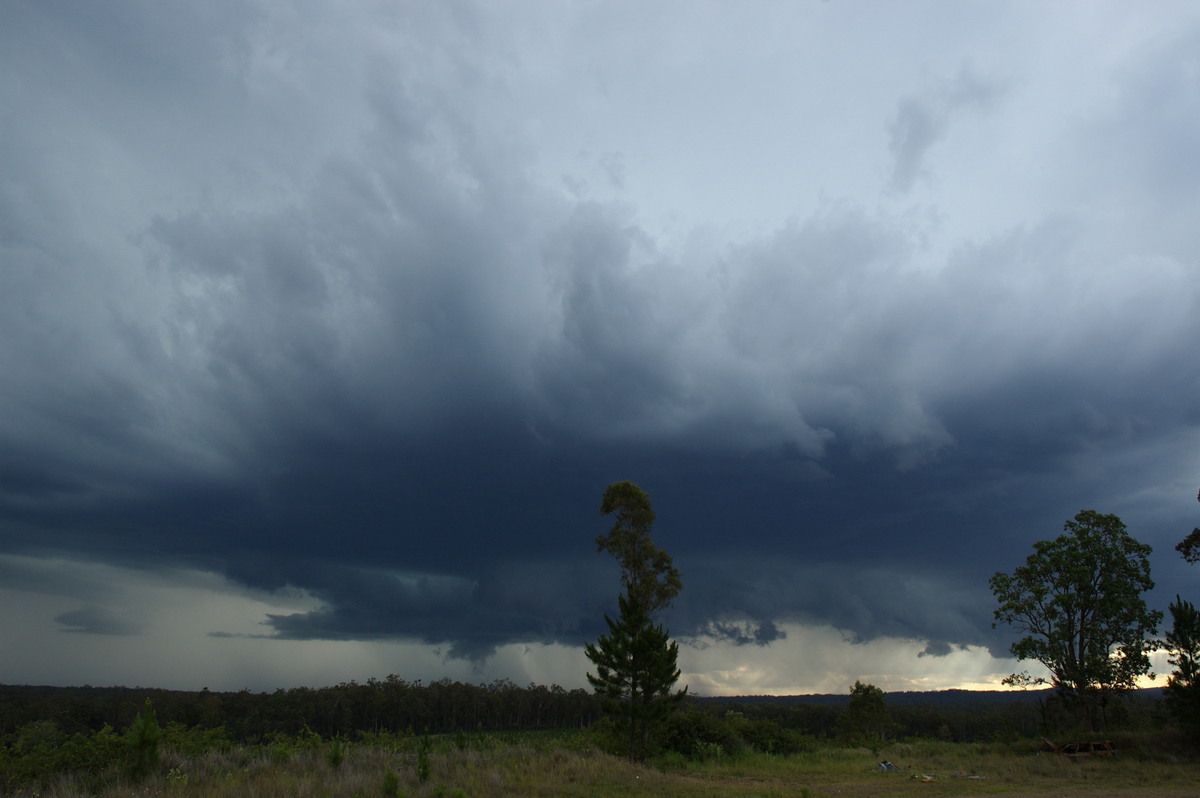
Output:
[[561, 764]]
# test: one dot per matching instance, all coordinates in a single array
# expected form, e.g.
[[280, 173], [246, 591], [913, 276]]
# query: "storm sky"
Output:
[[323, 327]]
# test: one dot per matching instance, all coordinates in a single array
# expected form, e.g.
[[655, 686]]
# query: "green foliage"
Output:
[[390, 705], [1183, 685], [647, 572], [867, 721], [43, 755], [90, 756], [308, 739], [636, 661], [279, 750], [39, 750], [709, 734], [695, 733], [423, 758], [635, 674], [1079, 600], [1189, 547], [142, 740], [335, 755], [391, 784], [195, 740], [562, 764]]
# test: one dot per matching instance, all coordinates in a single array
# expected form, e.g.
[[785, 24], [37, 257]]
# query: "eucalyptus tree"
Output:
[[648, 574], [867, 720], [1078, 599]]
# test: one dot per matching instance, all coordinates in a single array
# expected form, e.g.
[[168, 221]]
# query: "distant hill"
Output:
[[946, 699]]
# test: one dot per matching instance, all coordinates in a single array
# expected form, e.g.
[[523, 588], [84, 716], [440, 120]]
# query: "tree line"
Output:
[[393, 705], [346, 710]]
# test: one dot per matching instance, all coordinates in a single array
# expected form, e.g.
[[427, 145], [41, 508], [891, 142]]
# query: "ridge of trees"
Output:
[[348, 709], [395, 705]]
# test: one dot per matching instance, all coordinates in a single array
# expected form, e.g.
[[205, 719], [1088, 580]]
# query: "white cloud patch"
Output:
[[816, 659]]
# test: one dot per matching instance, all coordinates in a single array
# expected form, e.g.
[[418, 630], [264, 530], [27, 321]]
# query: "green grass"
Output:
[[565, 764]]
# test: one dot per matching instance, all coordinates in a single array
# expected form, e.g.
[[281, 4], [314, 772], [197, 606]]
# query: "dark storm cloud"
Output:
[[738, 633], [365, 352], [95, 621], [543, 602]]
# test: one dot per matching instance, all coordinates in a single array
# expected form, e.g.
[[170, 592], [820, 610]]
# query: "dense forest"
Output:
[[348, 709], [396, 705]]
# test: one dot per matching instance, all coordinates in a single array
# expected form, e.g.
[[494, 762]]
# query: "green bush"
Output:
[[39, 752], [423, 758], [699, 732], [142, 739], [90, 756], [703, 735], [192, 742], [335, 755]]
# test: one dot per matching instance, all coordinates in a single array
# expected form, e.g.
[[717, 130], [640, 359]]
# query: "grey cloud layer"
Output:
[[321, 323], [921, 121]]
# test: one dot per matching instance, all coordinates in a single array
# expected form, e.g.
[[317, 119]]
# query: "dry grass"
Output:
[[526, 770]]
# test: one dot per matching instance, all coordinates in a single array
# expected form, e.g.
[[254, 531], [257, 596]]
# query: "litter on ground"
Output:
[[958, 774]]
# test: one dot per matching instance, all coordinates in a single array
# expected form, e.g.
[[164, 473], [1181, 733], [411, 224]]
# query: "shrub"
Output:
[[142, 741], [335, 755], [391, 784], [423, 758], [193, 742]]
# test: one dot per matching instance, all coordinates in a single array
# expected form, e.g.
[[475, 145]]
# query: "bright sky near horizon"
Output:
[[323, 327]]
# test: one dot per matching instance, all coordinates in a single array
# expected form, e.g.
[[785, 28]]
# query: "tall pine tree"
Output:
[[1183, 647], [635, 673]]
